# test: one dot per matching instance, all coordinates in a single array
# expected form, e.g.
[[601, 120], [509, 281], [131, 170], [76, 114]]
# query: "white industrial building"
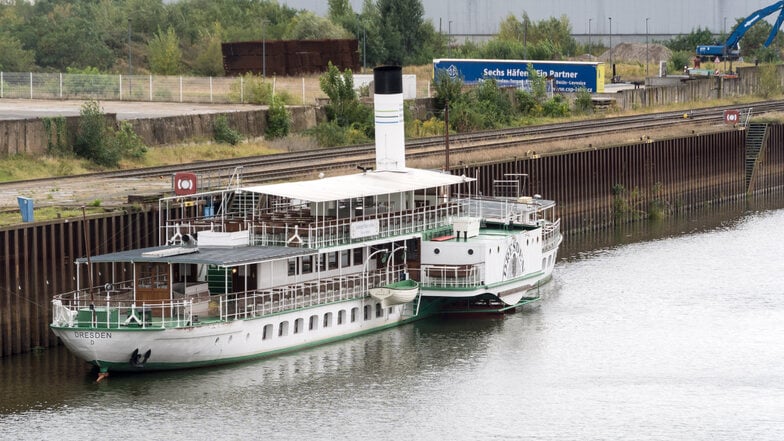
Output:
[[479, 19]]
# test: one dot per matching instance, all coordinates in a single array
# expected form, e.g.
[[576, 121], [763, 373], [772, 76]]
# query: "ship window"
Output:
[[293, 267], [266, 333], [341, 316], [298, 324], [283, 329], [470, 252], [379, 311], [307, 264], [327, 320], [358, 256], [313, 323], [322, 262], [390, 310], [354, 312], [344, 258], [333, 260], [367, 312], [544, 262], [436, 251]]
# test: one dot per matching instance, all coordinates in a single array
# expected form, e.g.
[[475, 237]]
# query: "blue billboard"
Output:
[[565, 76]]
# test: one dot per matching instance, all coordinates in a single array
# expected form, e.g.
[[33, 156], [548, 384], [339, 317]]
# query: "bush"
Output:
[[128, 143], [678, 60], [526, 103], [251, 89], [330, 134], [555, 107], [278, 120], [93, 140], [769, 84], [583, 102], [223, 133]]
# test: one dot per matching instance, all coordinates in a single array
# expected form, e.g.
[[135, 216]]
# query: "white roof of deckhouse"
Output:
[[370, 183]]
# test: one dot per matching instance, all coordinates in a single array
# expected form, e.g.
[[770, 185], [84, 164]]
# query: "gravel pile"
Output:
[[635, 53]]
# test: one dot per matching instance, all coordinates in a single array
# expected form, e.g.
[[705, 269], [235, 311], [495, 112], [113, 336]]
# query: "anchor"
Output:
[[137, 360]]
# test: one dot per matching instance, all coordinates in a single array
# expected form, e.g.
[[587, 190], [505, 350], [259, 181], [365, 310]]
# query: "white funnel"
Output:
[[388, 106]]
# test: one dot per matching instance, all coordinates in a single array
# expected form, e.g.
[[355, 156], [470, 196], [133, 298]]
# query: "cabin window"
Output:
[[322, 262], [354, 312], [313, 323], [283, 329], [470, 252], [379, 310], [544, 262], [345, 258], [293, 267], [359, 256], [332, 258], [307, 264], [266, 333], [390, 310], [436, 251], [341, 316], [367, 312], [327, 320], [298, 324]]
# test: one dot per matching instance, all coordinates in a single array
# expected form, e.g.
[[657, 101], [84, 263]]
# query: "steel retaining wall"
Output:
[[37, 261], [594, 189]]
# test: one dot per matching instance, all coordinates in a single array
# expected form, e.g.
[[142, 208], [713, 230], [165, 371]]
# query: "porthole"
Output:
[[216, 340], [470, 252], [436, 251]]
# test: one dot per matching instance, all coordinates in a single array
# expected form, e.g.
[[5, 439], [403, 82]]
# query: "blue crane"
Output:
[[730, 48]]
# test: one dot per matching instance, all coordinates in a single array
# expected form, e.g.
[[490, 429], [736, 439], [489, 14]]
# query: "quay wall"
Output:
[[594, 189]]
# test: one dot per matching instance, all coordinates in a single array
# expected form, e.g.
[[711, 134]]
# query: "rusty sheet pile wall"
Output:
[[37, 262], [289, 57], [594, 189]]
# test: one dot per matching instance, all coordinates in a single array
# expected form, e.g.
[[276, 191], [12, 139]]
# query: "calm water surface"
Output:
[[675, 337]]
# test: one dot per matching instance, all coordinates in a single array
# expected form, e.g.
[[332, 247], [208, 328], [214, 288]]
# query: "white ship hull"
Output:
[[224, 341]]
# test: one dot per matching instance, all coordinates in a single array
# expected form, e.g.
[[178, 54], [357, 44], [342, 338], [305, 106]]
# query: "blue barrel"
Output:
[[26, 207]]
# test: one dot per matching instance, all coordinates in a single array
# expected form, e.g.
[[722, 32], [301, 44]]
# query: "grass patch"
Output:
[[14, 217], [22, 167]]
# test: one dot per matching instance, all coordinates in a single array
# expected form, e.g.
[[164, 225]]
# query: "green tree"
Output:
[[13, 57], [165, 54], [446, 88], [401, 22], [340, 90], [309, 26], [689, 42], [209, 55]]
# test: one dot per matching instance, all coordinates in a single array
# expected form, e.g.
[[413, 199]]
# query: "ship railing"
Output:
[[523, 211], [318, 233], [99, 308], [551, 235], [451, 276], [256, 303]]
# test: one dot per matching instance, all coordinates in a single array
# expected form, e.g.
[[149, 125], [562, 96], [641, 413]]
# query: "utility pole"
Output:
[[446, 135], [589, 35], [647, 61]]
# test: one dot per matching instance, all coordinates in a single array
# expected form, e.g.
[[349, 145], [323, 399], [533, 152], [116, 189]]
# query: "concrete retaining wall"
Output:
[[29, 136]]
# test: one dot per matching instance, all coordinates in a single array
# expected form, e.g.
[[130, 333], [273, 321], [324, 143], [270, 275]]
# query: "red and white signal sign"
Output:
[[184, 183], [731, 117]]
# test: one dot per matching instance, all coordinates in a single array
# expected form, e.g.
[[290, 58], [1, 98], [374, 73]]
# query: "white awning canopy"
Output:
[[371, 183]]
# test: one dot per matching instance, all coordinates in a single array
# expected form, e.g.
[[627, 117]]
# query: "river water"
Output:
[[670, 331]]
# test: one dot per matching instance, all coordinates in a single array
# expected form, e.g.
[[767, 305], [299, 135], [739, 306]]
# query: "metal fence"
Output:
[[159, 88], [148, 88]]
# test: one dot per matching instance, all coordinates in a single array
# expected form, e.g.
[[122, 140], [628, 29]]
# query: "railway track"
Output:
[[275, 167]]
